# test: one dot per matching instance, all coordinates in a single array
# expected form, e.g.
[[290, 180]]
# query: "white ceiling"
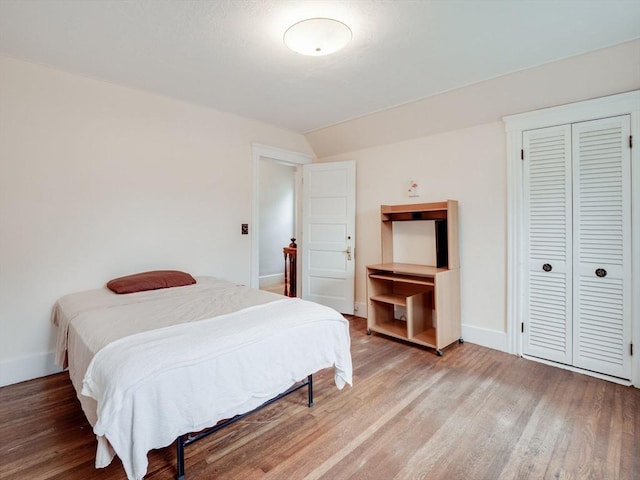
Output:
[[229, 54]]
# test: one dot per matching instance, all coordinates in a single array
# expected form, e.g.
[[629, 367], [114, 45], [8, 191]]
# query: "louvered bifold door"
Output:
[[602, 246], [547, 228]]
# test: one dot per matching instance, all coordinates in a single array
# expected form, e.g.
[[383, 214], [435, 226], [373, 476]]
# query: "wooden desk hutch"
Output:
[[430, 293]]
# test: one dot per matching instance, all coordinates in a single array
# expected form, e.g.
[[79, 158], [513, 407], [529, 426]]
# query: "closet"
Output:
[[575, 245]]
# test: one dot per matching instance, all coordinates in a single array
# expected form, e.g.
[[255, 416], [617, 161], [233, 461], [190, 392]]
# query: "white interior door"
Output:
[[328, 234], [602, 246], [547, 232]]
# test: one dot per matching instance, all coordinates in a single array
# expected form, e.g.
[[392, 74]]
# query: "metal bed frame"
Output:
[[184, 440]]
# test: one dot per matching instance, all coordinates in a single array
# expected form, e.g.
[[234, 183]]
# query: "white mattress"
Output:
[[151, 366]]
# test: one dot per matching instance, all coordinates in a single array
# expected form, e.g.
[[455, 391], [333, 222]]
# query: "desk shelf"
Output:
[[432, 305]]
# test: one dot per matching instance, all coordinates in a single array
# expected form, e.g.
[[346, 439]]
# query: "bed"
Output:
[[151, 367]]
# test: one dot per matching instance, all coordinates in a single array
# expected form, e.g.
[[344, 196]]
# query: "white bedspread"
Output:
[[154, 386]]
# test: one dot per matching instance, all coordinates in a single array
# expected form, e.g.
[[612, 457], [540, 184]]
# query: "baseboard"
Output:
[[271, 280], [27, 368], [483, 336], [360, 309], [480, 336]]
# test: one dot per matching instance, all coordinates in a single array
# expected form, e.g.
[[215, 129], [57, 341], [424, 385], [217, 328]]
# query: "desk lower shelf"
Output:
[[398, 329], [431, 300]]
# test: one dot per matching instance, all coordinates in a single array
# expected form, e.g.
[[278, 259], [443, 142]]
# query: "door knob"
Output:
[[348, 252], [601, 272], [547, 267]]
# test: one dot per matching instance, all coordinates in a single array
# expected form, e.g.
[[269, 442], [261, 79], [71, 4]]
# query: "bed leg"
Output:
[[180, 458], [310, 391]]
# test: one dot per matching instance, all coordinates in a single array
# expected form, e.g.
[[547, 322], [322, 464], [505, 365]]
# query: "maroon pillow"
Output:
[[154, 280]]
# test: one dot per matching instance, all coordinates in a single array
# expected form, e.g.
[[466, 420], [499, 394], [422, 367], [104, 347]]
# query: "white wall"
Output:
[[467, 165], [98, 181], [277, 214]]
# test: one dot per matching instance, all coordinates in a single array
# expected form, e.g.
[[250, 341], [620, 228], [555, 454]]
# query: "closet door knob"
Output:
[[601, 272], [547, 267]]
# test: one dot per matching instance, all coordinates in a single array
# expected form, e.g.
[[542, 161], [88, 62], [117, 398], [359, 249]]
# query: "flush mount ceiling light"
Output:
[[317, 36]]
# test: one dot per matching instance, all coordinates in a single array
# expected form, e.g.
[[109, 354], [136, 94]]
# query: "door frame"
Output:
[[620, 104], [266, 152]]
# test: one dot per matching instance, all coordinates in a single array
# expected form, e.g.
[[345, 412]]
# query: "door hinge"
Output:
[[630, 141], [522, 327], [631, 349], [521, 154]]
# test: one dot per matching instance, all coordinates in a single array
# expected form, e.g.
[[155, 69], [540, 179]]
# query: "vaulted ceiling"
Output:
[[229, 54]]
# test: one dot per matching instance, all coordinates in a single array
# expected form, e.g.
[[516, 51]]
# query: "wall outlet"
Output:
[[400, 312], [245, 229]]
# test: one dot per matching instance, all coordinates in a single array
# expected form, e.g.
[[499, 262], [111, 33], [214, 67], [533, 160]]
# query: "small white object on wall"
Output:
[[413, 188]]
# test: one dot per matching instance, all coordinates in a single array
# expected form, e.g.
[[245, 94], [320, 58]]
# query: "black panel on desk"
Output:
[[442, 244]]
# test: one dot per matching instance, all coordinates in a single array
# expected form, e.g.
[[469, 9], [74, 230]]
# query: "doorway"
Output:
[[276, 209], [277, 222]]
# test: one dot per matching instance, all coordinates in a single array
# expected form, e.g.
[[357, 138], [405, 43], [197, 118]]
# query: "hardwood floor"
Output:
[[474, 413]]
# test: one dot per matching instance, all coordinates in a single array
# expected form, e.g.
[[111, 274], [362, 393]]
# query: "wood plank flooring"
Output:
[[474, 413]]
